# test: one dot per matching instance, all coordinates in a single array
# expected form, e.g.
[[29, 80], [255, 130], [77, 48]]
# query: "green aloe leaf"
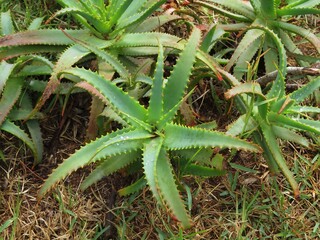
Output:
[[273, 146], [195, 137], [302, 93], [249, 39], [10, 95], [119, 99], [109, 145], [135, 187], [13, 129], [6, 26], [290, 135], [177, 82], [151, 154], [6, 70], [203, 171], [109, 166], [282, 120], [168, 189], [156, 98], [44, 37]]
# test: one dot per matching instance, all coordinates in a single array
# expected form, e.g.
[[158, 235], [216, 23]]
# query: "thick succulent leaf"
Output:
[[241, 125], [154, 23], [224, 12], [6, 70], [146, 39], [140, 44], [270, 55], [109, 145], [122, 143], [303, 109], [35, 24], [297, 11], [249, 87], [124, 23], [312, 123], [118, 98], [44, 37], [246, 43], [105, 56], [6, 26], [23, 114], [167, 187], [151, 154], [134, 187], [281, 120], [304, 4], [236, 6], [109, 166], [290, 135], [178, 80], [268, 9], [194, 155], [307, 34], [36, 135], [245, 58], [302, 93], [10, 95], [274, 148], [203, 171], [180, 137], [156, 98], [211, 38], [13, 129], [278, 86], [9, 52]]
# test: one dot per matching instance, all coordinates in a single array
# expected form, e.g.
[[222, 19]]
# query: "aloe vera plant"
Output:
[[271, 14], [103, 25], [15, 102], [149, 134], [275, 114]]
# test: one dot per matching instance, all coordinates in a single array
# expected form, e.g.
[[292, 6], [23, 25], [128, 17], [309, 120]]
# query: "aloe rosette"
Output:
[[274, 15], [149, 134]]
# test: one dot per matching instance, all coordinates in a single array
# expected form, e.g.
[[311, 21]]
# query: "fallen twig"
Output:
[[311, 71]]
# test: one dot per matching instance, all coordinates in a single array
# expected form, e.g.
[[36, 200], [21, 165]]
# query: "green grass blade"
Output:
[[195, 137], [178, 80]]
